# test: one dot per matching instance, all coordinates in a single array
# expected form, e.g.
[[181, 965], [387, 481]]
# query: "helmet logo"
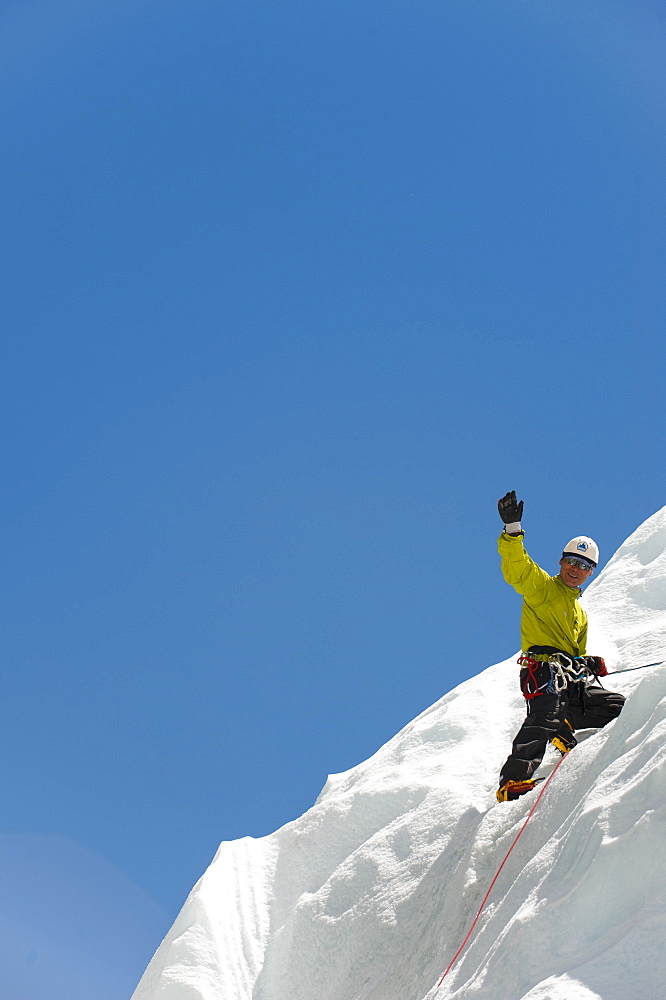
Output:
[[582, 546]]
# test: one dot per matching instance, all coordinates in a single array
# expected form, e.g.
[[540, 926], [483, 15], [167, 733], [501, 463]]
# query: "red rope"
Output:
[[497, 874]]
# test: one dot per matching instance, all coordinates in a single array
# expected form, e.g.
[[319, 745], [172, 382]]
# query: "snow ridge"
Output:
[[369, 894]]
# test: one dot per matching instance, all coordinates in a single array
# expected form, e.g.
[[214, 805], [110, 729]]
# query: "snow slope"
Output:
[[369, 894]]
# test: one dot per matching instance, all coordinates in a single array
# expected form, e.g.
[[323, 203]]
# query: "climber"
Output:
[[559, 682]]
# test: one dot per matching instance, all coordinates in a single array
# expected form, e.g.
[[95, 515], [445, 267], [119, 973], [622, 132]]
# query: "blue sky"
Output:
[[292, 293]]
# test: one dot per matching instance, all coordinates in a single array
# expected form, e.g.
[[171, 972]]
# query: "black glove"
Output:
[[596, 665], [510, 510]]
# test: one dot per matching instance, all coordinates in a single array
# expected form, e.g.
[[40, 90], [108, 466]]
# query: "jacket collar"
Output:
[[574, 591]]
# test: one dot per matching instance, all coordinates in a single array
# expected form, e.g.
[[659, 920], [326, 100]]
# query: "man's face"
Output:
[[573, 574]]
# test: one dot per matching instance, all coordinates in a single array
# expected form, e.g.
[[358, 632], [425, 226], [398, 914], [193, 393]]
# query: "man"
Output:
[[558, 680]]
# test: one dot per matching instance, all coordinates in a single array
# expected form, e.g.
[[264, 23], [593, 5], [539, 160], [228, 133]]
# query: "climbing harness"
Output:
[[562, 670]]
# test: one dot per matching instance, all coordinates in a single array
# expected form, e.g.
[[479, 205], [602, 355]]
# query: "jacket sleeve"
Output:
[[521, 571]]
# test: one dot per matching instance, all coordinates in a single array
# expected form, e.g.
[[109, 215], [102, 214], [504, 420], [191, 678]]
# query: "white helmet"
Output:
[[583, 548]]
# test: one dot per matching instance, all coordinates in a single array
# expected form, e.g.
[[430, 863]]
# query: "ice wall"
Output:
[[368, 895]]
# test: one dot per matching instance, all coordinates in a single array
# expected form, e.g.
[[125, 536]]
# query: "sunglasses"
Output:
[[578, 562]]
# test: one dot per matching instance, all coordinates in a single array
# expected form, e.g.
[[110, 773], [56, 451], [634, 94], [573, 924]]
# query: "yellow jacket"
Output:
[[551, 614]]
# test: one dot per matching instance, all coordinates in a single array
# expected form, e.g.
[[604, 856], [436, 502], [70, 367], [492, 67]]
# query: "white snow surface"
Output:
[[370, 893]]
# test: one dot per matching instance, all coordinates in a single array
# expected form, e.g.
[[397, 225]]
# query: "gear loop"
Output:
[[563, 670]]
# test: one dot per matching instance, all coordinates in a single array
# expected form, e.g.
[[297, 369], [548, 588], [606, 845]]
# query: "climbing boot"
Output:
[[564, 741], [511, 790]]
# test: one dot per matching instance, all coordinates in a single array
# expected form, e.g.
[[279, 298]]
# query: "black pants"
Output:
[[545, 718]]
